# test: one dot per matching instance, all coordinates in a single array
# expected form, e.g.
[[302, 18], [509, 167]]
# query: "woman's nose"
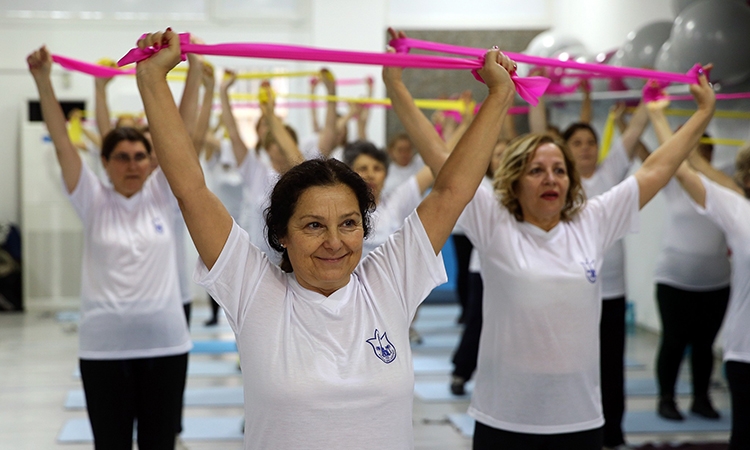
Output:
[[333, 239]]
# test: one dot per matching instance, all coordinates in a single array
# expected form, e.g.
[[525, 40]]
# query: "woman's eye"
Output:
[[349, 223], [560, 171], [535, 170], [314, 225]]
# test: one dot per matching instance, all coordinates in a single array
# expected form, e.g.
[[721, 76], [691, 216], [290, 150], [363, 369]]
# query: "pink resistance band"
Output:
[[530, 89], [403, 44], [653, 90], [91, 69]]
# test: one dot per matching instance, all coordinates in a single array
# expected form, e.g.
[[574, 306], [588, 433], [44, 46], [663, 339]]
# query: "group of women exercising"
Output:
[[320, 279]]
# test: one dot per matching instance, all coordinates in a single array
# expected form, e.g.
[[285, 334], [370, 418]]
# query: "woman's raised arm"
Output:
[[426, 140], [206, 217], [40, 66], [662, 164], [462, 173]]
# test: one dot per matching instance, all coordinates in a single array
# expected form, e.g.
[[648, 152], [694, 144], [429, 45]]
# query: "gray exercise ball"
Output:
[[716, 31], [545, 44], [679, 5], [642, 45]]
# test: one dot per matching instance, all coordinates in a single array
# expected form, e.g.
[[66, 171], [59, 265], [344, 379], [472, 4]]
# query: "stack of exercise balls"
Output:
[[703, 31]]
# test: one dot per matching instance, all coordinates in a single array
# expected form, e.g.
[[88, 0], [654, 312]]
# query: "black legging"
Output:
[[738, 376], [465, 357], [488, 438], [612, 364], [214, 309], [148, 390], [463, 247], [688, 318]]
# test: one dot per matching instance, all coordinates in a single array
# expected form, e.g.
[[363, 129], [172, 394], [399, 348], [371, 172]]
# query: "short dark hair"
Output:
[[300, 178], [361, 147], [570, 131], [118, 135], [398, 137]]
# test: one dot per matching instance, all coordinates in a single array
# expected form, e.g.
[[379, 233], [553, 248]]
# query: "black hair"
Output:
[[118, 135], [570, 131], [360, 147], [300, 178]]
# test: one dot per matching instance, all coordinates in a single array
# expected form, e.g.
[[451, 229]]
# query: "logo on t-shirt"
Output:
[[382, 347], [588, 266], [158, 226]]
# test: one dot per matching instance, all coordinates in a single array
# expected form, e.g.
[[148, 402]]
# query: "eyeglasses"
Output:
[[125, 158]]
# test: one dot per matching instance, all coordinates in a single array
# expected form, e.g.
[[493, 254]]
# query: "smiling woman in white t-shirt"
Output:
[[323, 339], [541, 245]]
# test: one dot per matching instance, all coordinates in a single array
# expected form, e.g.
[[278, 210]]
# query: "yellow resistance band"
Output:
[[442, 105], [607, 136], [722, 141], [75, 129]]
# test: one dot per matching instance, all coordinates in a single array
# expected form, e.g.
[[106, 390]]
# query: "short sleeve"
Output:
[[614, 213], [478, 214], [235, 276], [724, 207], [406, 264], [162, 191], [87, 190]]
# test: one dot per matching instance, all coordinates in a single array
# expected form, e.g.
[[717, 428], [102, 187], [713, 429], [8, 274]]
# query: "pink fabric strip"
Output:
[[653, 90], [404, 43], [529, 93], [352, 81], [91, 69]]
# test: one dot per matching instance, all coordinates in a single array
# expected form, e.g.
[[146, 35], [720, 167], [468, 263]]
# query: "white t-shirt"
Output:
[[694, 251], [731, 212], [130, 296], [258, 180], [390, 214], [475, 264], [183, 277], [538, 364], [326, 372], [399, 174], [223, 178], [608, 174]]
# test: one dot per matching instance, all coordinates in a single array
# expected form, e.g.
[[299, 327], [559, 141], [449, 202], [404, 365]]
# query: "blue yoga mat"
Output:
[[429, 365], [634, 422], [214, 346], [634, 364], [646, 387], [194, 429], [221, 396], [447, 341], [650, 422], [439, 391]]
